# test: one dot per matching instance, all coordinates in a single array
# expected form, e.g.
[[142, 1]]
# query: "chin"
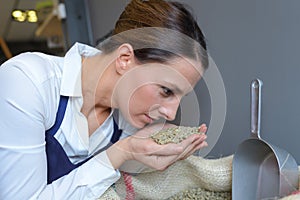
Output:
[[137, 124]]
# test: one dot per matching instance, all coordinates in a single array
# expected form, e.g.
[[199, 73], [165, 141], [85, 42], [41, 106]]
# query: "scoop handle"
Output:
[[256, 86]]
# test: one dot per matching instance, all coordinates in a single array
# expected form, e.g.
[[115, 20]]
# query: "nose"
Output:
[[169, 109]]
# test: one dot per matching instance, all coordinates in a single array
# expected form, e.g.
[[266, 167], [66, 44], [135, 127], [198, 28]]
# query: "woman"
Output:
[[59, 139]]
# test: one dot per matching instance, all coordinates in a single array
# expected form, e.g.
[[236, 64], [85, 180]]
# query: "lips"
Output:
[[149, 120]]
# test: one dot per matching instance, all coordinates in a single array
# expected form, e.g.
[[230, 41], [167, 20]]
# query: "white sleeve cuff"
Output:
[[99, 175]]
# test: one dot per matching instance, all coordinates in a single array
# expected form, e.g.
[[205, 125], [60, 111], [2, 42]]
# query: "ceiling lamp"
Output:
[[22, 16]]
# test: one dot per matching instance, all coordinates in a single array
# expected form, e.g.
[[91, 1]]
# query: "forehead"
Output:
[[189, 68], [178, 72]]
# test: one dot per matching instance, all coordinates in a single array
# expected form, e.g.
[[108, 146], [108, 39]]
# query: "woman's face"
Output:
[[153, 91]]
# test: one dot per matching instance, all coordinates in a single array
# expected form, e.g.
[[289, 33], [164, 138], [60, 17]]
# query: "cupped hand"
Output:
[[142, 148]]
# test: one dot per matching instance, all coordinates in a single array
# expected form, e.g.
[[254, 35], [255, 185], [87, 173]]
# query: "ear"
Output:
[[125, 58]]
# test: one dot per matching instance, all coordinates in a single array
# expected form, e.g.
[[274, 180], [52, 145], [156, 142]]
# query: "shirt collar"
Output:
[[71, 77]]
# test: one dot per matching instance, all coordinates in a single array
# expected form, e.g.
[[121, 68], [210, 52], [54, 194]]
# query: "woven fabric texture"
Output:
[[193, 178], [193, 172]]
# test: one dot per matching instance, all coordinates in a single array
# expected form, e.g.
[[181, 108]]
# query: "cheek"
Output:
[[143, 99]]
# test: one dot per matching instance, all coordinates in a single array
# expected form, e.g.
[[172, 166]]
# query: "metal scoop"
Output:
[[261, 170]]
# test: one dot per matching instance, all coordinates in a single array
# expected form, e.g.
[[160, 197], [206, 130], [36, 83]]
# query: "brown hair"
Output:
[[158, 44]]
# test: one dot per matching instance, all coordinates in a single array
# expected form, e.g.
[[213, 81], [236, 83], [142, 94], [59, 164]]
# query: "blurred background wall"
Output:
[[247, 40]]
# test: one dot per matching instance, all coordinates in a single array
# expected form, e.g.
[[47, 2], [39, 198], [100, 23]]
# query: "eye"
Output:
[[166, 91]]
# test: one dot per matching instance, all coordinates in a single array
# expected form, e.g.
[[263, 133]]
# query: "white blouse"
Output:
[[30, 87]]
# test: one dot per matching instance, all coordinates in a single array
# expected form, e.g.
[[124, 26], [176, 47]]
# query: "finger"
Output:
[[175, 149], [198, 143], [164, 161], [202, 128], [189, 147], [198, 147], [172, 148], [201, 145], [194, 138], [188, 151]]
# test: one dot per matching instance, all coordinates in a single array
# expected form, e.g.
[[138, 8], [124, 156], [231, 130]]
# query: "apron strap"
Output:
[[63, 102], [58, 162]]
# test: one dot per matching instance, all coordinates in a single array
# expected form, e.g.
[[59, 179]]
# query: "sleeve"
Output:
[[23, 165], [89, 181]]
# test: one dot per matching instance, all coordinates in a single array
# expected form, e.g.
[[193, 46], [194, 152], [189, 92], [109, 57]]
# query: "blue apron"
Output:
[[58, 163]]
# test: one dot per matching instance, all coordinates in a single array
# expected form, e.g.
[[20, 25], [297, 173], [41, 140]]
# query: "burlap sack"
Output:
[[193, 172], [296, 195], [203, 178]]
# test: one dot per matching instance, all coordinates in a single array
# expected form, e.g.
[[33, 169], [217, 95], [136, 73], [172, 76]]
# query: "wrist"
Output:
[[118, 153]]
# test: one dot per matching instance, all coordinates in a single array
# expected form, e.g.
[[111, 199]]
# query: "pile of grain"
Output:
[[174, 134], [201, 194]]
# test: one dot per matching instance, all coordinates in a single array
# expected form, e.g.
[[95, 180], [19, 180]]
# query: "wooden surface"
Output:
[[51, 26], [5, 48]]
